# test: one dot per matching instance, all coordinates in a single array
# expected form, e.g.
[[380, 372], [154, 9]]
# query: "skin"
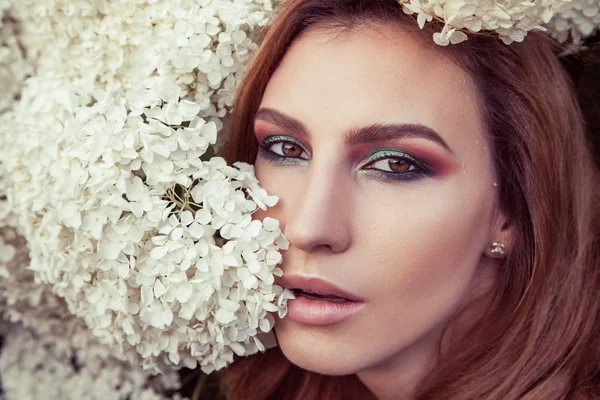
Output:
[[414, 250]]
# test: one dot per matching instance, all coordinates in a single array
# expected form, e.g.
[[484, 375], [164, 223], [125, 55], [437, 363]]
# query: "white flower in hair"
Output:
[[510, 19], [576, 23]]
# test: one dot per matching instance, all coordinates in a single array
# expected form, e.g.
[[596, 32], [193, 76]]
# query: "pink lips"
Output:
[[319, 302]]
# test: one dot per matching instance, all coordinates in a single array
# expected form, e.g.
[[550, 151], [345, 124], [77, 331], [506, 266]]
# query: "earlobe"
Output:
[[501, 237], [497, 249]]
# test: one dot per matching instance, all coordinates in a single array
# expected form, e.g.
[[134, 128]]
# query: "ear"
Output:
[[502, 235]]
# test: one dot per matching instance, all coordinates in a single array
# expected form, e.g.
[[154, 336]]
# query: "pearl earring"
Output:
[[497, 249]]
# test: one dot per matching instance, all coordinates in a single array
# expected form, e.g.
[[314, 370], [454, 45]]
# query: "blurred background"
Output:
[[585, 72]]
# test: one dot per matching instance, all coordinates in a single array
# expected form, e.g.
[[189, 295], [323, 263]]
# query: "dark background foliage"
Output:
[[585, 72]]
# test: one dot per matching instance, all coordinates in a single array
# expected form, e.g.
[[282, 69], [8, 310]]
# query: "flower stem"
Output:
[[198, 387]]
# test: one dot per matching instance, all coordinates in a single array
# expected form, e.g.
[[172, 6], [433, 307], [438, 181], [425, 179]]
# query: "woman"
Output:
[[442, 209]]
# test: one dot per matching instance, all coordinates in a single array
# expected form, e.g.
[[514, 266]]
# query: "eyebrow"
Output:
[[372, 133]]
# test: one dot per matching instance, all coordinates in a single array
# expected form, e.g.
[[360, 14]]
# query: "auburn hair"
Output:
[[540, 336]]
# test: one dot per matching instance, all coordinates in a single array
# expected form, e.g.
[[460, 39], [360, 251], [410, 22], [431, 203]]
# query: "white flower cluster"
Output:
[[103, 162], [510, 19], [32, 365], [577, 23], [42, 339], [4, 5], [14, 68]]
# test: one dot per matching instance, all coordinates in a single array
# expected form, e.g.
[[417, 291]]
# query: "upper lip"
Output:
[[316, 285]]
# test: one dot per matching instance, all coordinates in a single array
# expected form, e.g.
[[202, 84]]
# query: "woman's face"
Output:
[[375, 148]]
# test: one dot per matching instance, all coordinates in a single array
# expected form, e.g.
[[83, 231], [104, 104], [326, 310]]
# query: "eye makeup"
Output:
[[418, 169], [264, 149]]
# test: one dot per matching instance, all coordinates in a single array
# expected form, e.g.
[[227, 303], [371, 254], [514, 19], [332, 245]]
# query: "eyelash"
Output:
[[420, 171]]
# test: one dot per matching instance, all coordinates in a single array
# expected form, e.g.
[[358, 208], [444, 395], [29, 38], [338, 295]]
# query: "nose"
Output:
[[319, 218]]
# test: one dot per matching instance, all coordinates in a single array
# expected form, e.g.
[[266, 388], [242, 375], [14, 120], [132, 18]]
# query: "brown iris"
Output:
[[399, 165], [291, 150]]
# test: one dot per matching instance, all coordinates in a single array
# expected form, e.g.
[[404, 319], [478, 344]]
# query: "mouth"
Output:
[[318, 296], [318, 302], [317, 288]]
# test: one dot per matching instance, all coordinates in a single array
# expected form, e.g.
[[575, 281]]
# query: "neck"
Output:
[[398, 376]]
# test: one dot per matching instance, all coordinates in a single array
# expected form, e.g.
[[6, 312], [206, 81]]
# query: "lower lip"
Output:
[[321, 312]]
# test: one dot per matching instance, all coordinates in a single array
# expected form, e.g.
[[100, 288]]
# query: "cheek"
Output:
[[422, 251]]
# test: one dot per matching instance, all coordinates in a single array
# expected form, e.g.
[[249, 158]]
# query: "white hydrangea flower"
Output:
[[32, 365], [576, 23], [511, 19], [14, 68], [45, 344], [153, 247], [4, 5]]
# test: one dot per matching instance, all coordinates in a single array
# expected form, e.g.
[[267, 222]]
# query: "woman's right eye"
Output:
[[282, 150]]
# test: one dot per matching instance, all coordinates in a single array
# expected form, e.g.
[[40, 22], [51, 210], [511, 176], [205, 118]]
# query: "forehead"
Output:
[[334, 82]]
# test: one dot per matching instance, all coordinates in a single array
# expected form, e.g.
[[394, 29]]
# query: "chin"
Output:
[[318, 349]]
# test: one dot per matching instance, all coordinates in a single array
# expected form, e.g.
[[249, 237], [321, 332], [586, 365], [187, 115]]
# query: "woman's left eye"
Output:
[[395, 166]]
